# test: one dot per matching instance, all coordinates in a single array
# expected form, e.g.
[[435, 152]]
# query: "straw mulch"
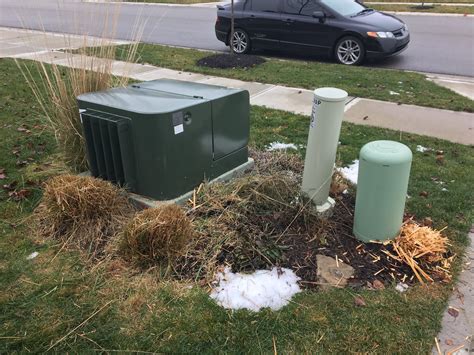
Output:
[[82, 212], [424, 250], [156, 236]]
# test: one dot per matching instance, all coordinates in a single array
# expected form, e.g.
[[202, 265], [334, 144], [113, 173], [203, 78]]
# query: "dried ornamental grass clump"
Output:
[[156, 236], [82, 212], [424, 250]]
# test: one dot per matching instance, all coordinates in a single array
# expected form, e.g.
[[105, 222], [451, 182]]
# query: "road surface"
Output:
[[440, 44]]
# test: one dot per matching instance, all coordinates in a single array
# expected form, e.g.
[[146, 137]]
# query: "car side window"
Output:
[[265, 5], [246, 5], [301, 7]]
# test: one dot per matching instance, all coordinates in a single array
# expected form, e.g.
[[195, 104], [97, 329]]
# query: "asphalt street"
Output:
[[440, 44]]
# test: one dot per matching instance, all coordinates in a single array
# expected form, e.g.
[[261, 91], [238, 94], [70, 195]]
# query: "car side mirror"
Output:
[[321, 16]]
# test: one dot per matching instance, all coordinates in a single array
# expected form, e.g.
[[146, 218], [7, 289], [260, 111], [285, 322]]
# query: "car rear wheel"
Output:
[[240, 41], [350, 51]]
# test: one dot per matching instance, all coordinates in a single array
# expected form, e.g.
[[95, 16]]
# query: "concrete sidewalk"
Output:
[[453, 126], [457, 332]]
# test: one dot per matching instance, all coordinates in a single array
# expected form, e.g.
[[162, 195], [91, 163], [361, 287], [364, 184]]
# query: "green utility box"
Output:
[[162, 138], [382, 184]]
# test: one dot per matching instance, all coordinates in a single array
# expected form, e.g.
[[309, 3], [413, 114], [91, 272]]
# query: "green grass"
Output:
[[53, 300], [364, 82], [436, 9]]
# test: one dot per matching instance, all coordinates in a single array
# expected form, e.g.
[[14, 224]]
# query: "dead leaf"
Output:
[[424, 194], [23, 130], [449, 342], [427, 221], [453, 312], [11, 186], [359, 301], [440, 159], [19, 195], [378, 285]]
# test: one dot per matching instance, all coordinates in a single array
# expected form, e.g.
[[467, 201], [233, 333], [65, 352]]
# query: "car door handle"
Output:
[[289, 20]]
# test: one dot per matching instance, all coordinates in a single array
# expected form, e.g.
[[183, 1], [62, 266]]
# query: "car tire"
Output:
[[240, 42], [349, 50]]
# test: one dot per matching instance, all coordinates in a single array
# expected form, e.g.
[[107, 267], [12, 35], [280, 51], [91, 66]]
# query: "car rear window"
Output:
[[301, 7], [265, 5]]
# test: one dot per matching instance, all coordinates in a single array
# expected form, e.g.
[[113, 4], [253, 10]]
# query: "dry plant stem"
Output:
[[56, 87]]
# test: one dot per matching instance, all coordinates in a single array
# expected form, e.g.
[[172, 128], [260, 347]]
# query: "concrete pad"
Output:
[[299, 101], [143, 202], [459, 331], [49, 57], [453, 126], [252, 87], [12, 35], [120, 68], [52, 42], [16, 50], [167, 74], [79, 61]]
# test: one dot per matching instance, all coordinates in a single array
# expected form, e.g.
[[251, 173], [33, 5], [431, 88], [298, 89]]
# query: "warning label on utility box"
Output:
[[314, 113], [178, 122]]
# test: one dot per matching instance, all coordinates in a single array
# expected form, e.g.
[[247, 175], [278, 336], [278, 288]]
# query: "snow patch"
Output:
[[350, 172], [263, 288], [32, 255], [280, 146], [420, 148], [401, 287]]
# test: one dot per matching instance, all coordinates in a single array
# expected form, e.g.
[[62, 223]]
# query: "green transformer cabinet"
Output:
[[162, 138], [382, 184]]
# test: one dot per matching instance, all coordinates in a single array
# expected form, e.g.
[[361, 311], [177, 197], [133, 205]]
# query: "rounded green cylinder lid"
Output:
[[330, 94], [386, 153], [384, 173]]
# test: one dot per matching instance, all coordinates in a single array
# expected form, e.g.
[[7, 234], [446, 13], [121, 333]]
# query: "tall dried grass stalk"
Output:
[[56, 86]]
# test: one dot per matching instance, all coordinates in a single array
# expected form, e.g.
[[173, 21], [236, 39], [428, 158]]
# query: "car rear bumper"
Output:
[[221, 36]]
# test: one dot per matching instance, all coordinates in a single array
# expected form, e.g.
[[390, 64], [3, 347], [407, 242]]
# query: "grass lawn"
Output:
[[436, 9], [56, 302], [364, 82]]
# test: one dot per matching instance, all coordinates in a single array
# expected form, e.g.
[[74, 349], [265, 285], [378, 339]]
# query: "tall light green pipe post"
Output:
[[323, 138]]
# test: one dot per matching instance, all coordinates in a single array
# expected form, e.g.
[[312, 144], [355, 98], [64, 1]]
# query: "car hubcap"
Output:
[[348, 52], [239, 42]]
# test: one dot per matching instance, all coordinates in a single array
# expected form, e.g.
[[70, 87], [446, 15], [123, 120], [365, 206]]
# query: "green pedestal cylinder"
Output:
[[382, 184]]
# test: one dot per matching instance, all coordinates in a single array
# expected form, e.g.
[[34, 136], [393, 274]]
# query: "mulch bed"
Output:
[[260, 235], [228, 61]]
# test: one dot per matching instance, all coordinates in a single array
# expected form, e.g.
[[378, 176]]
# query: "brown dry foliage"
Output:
[[156, 236], [246, 223], [82, 212]]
